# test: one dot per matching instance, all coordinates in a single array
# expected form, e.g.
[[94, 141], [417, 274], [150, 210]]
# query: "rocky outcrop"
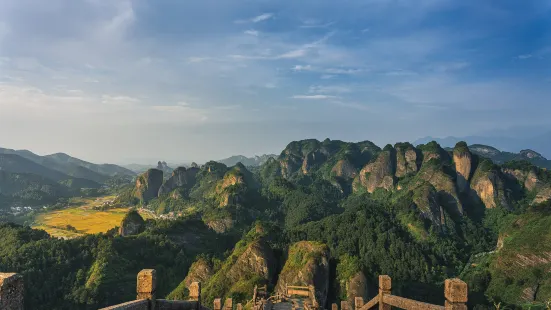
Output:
[[148, 184], [307, 264], [313, 160], [531, 182], [489, 185], [406, 159], [426, 199], [131, 224], [344, 169], [378, 174], [234, 184], [181, 177], [543, 196], [220, 225], [463, 160], [200, 271], [356, 286], [257, 259]]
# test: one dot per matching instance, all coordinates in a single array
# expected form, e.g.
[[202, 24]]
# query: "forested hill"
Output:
[[333, 212]]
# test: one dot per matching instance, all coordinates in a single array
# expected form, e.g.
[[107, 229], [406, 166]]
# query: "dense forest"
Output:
[[419, 214]]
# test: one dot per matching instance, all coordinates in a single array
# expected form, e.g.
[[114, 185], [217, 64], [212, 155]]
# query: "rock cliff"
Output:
[[406, 159], [488, 183], [181, 177], [131, 224], [148, 184], [463, 160], [378, 174], [307, 264]]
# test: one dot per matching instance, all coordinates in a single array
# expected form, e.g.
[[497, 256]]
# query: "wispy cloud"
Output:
[[313, 97], [329, 89], [252, 32], [256, 19], [524, 56]]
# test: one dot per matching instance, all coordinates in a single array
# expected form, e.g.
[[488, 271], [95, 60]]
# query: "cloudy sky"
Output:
[[122, 80]]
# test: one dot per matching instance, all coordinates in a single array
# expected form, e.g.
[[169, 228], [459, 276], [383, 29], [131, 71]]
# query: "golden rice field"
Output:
[[83, 218]]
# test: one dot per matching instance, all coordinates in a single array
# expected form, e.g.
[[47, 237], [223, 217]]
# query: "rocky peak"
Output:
[[148, 184], [307, 264], [484, 150], [463, 160], [181, 177], [406, 159], [380, 173], [131, 224], [489, 184]]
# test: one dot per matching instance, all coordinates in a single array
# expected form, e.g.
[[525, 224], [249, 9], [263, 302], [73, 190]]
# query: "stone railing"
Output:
[[455, 292], [11, 291]]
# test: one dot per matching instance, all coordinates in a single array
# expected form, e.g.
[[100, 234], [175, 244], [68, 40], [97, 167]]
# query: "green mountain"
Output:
[[500, 157], [246, 161], [330, 213], [72, 166]]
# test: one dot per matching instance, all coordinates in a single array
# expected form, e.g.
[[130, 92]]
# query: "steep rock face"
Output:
[[313, 160], [258, 259], [148, 184], [344, 169], [131, 224], [434, 173], [307, 264], [231, 189], [426, 199], [543, 196], [200, 271], [378, 174], [463, 160], [220, 225], [489, 185], [406, 159], [181, 177], [432, 151], [531, 182]]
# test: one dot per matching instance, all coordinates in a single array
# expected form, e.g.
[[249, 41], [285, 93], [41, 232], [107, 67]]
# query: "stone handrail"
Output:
[[455, 292]]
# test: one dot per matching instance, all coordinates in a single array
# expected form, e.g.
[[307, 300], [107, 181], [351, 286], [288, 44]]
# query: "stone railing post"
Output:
[[456, 293], [195, 293], [334, 307], [344, 305], [228, 305], [239, 306], [147, 286], [11, 291], [255, 291], [217, 304], [385, 287], [358, 303]]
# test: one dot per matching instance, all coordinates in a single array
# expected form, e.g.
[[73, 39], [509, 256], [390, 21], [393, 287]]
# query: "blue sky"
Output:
[[122, 80]]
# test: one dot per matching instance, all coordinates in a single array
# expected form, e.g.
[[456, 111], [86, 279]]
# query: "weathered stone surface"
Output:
[[344, 169], [131, 224], [11, 291], [425, 198], [200, 271], [195, 291], [307, 264], [220, 225], [181, 177], [258, 259], [463, 160], [406, 159], [455, 291], [378, 174], [148, 184], [490, 188], [529, 294], [147, 284], [131, 305]]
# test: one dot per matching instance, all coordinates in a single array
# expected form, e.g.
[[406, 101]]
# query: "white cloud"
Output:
[[262, 17], [313, 97], [524, 56], [252, 32], [302, 68], [256, 19], [293, 54]]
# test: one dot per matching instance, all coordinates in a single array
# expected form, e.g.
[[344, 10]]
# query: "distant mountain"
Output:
[[28, 189], [508, 142], [71, 166], [17, 164], [246, 161]]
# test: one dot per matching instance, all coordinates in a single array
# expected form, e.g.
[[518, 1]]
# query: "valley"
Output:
[[88, 218]]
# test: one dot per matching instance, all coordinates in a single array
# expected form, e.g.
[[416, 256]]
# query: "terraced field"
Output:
[[84, 219]]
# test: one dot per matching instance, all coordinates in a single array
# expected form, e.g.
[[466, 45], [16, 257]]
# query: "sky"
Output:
[[137, 81]]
